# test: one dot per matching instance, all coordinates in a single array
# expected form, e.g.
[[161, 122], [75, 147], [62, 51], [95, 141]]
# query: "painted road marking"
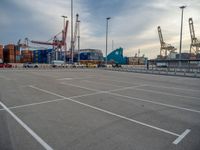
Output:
[[165, 93], [119, 80], [139, 99], [101, 83], [56, 100], [37, 138], [180, 137]]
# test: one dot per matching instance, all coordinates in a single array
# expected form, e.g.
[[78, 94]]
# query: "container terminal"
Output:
[[168, 56]]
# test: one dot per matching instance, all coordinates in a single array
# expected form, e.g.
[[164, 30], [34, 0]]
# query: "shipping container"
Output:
[[42, 56], [1, 52], [10, 52]]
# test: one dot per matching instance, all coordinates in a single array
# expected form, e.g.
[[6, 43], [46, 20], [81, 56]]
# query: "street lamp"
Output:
[[78, 41], [107, 38], [72, 42], [65, 48], [180, 48]]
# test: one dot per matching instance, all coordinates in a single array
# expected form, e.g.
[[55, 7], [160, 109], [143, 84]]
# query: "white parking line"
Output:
[[61, 79], [119, 81], [165, 93], [28, 129], [56, 100], [81, 87], [180, 137], [157, 103], [138, 99], [101, 83]]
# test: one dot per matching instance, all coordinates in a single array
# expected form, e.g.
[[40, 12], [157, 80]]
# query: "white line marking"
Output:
[[81, 87], [40, 140], [56, 100], [65, 79], [74, 78], [157, 103], [125, 88], [169, 93], [33, 104], [111, 113], [150, 85], [101, 83], [47, 91], [51, 101], [139, 99], [174, 88], [181, 136]]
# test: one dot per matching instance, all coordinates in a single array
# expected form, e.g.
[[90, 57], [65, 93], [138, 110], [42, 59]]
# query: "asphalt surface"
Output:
[[91, 109]]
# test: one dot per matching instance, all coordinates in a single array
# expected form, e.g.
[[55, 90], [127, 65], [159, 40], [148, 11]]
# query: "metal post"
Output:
[[65, 48], [182, 8], [79, 41], [72, 42], [107, 38]]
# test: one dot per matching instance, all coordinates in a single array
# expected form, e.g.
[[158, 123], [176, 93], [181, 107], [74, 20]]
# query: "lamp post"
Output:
[[72, 42], [65, 48], [107, 38], [79, 41], [180, 48]]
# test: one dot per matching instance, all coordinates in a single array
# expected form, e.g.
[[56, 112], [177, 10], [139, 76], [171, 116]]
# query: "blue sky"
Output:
[[133, 25]]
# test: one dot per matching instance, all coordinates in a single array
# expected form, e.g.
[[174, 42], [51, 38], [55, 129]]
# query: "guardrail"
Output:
[[158, 71]]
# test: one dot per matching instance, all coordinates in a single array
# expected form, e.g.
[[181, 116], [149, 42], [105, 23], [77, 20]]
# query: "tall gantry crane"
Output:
[[55, 42], [165, 48], [195, 44]]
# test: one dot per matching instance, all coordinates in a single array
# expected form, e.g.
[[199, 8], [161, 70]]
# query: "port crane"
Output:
[[195, 44], [165, 48], [55, 42]]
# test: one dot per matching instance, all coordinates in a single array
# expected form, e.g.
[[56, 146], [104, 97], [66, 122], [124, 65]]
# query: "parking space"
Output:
[[99, 109]]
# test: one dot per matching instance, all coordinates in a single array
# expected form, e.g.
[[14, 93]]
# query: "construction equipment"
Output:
[[195, 44], [55, 42], [165, 48]]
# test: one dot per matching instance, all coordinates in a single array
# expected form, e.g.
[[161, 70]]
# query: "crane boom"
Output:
[[164, 47], [160, 35], [195, 44]]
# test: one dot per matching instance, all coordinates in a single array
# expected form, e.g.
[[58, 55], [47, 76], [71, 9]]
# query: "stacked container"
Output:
[[26, 56], [11, 53], [41, 56], [1, 53]]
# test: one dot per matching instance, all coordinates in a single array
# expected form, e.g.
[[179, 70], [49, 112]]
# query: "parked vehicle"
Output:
[[58, 63], [5, 65], [30, 65], [116, 66]]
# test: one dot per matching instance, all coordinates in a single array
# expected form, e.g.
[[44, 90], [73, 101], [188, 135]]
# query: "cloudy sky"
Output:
[[133, 25]]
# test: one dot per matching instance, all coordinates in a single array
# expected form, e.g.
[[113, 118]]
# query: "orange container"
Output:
[[10, 46]]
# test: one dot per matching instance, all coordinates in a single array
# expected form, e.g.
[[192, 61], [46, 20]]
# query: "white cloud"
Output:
[[133, 24]]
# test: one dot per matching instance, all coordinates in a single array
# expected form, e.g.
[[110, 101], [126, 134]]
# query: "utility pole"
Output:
[[180, 48], [107, 38]]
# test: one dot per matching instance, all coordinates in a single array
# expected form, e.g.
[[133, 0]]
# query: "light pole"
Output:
[[65, 48], [72, 42], [107, 38], [180, 48], [79, 41]]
